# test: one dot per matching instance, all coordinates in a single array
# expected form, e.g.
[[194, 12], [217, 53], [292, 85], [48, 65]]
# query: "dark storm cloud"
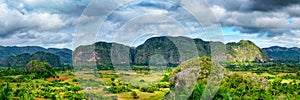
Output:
[[277, 21], [254, 5], [270, 5], [293, 11], [265, 17], [67, 7]]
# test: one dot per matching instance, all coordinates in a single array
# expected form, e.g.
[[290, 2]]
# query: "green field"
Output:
[[122, 79]]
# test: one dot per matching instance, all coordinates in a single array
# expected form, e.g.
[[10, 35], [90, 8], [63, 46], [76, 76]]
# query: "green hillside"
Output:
[[22, 59], [244, 50]]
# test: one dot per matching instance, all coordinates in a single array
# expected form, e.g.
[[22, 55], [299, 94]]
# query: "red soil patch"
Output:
[[59, 79], [39, 99]]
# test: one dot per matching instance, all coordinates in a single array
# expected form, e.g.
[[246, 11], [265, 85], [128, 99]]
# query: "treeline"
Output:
[[135, 67], [270, 67]]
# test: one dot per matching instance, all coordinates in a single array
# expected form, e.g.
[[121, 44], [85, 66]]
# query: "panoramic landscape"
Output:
[[149, 50], [250, 71]]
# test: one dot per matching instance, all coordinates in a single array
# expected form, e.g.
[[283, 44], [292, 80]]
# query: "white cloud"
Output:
[[13, 21], [33, 38], [22, 26], [271, 24], [288, 40], [23, 22], [219, 11]]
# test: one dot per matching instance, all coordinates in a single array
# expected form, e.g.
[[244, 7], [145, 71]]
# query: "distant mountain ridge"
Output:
[[278, 53], [23, 59], [64, 54]]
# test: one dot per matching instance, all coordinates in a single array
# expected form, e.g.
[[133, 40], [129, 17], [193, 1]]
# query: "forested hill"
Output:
[[64, 54], [244, 50], [23, 59], [168, 47], [166, 50], [283, 54], [172, 49]]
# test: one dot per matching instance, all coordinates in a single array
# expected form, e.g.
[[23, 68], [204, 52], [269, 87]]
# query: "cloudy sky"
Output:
[[53, 23]]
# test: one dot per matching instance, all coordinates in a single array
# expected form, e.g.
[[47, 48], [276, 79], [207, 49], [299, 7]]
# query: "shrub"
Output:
[[162, 85], [166, 78], [150, 89], [74, 80], [142, 80], [71, 74], [134, 95], [112, 79], [119, 87]]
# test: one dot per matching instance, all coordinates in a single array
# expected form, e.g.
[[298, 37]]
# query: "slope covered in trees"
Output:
[[64, 54], [40, 69], [22, 59], [244, 50]]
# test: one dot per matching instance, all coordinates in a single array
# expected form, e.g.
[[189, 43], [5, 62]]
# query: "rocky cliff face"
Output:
[[244, 50], [113, 53], [103, 53], [173, 49], [165, 50]]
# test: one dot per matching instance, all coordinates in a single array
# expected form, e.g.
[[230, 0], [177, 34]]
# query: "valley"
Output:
[[152, 71], [247, 79]]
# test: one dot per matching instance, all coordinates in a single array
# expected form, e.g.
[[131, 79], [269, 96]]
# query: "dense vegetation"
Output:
[[42, 89], [22, 59], [259, 88], [243, 51], [40, 69], [37, 80], [246, 82], [64, 54]]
